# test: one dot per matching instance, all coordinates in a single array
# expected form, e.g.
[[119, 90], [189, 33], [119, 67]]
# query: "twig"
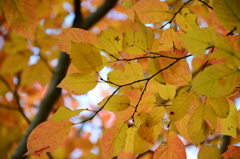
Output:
[[176, 14], [206, 4]]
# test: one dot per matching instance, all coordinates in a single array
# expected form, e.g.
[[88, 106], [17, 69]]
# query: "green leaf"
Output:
[[78, 83], [111, 41], [86, 57], [63, 114], [228, 13], [113, 139], [216, 81], [115, 103], [198, 40]]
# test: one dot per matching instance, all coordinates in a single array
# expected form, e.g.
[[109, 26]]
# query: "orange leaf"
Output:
[[149, 11], [70, 35], [22, 17], [47, 137], [232, 152], [175, 149]]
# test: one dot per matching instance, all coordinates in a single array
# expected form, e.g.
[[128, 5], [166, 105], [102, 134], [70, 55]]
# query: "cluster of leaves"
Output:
[[156, 92]]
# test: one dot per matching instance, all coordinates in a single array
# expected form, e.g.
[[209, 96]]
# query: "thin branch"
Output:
[[175, 14], [206, 4], [16, 96], [231, 32]]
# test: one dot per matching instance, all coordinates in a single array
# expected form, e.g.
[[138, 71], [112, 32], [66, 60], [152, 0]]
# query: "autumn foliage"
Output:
[[174, 75]]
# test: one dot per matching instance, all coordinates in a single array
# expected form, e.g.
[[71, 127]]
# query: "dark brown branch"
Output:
[[175, 14], [53, 92], [206, 4]]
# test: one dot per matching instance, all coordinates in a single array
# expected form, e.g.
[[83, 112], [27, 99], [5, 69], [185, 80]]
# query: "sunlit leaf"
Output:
[[186, 20], [128, 151], [228, 126], [115, 103], [118, 77], [63, 114], [155, 116], [216, 81], [169, 40], [175, 148], [22, 17], [111, 41], [136, 42], [209, 151], [134, 72], [228, 13], [181, 105], [78, 83], [232, 152], [86, 57], [76, 35], [195, 127], [146, 137], [149, 11], [220, 106], [47, 137], [182, 125], [154, 67], [167, 91], [179, 74], [113, 139]]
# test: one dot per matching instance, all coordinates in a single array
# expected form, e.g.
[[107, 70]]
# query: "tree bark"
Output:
[[54, 93]]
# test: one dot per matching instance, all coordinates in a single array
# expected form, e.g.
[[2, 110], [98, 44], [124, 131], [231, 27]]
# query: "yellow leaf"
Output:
[[149, 11], [167, 91], [140, 118], [111, 41], [86, 57], [1, 7], [63, 114], [47, 137], [128, 149], [181, 105], [137, 42], [146, 137], [220, 106], [155, 116], [134, 72], [228, 13], [22, 17], [154, 67], [117, 77], [14, 63], [175, 148], [113, 139], [216, 81], [186, 20], [78, 83], [74, 35], [228, 126], [198, 40], [195, 127], [4, 89], [209, 152], [181, 126], [115, 103]]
